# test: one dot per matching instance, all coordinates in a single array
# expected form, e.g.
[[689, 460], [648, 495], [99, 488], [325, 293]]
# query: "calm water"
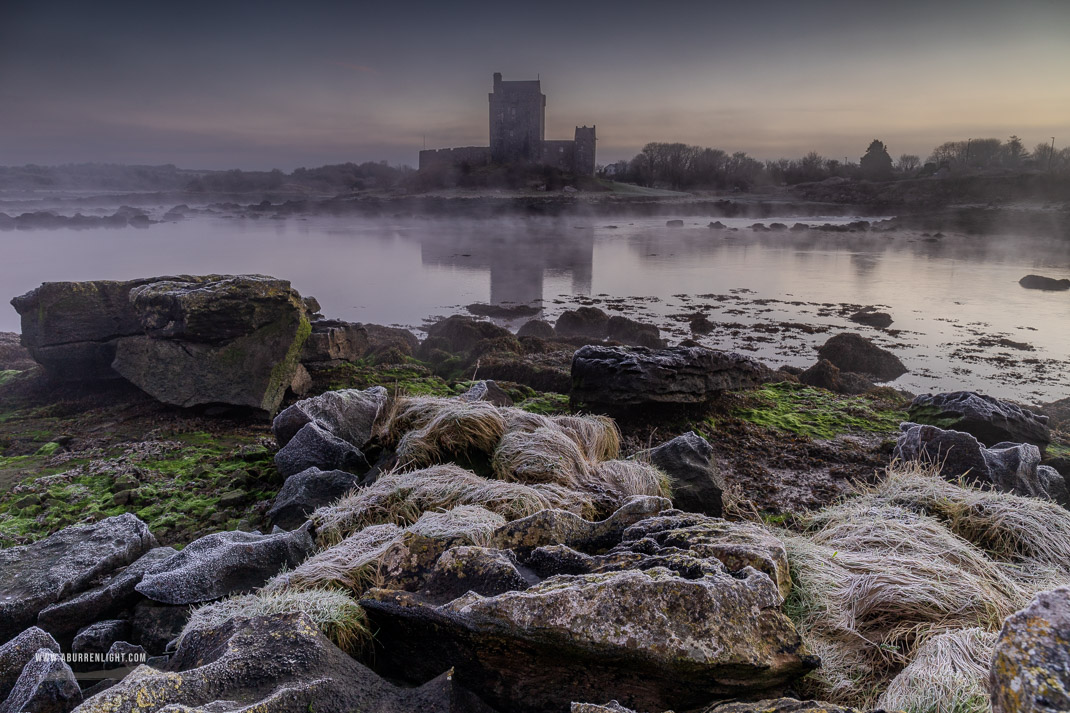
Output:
[[950, 298]]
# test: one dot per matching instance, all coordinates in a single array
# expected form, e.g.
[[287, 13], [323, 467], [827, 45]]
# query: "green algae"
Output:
[[817, 413]]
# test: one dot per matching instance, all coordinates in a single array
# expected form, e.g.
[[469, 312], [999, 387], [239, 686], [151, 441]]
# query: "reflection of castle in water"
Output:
[[518, 257]]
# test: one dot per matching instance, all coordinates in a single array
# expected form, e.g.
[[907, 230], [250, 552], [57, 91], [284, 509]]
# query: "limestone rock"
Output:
[[538, 328], [65, 564], [315, 447], [781, 705], [333, 340], [633, 333], [487, 391], [1039, 282], [272, 664], [15, 654], [854, 353], [303, 492], [872, 318], [154, 625], [696, 482], [988, 419], [482, 570], [621, 377], [826, 375], [98, 637], [224, 563], [586, 322], [349, 414], [46, 685], [1030, 670], [13, 355], [460, 334]]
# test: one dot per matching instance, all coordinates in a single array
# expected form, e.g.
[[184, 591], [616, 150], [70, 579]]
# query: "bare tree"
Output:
[[908, 163]]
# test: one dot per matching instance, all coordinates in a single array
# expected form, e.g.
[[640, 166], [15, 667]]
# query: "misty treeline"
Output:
[[336, 178], [680, 166]]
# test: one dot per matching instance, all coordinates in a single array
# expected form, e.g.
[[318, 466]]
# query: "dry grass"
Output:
[[336, 614], [597, 436], [352, 564], [882, 575], [401, 498], [449, 428], [517, 419], [613, 482], [949, 674], [545, 455], [473, 524]]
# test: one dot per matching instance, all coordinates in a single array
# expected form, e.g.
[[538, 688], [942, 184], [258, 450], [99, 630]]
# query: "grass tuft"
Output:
[[949, 674]]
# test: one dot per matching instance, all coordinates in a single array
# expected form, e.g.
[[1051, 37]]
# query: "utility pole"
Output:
[[967, 162], [1051, 153]]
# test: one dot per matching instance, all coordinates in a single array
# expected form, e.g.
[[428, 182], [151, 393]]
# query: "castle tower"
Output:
[[583, 157], [517, 121]]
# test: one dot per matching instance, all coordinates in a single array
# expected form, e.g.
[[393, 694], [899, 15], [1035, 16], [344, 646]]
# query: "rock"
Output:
[[587, 322], [986, 418], [701, 324], [1039, 282], [1030, 671], [349, 414], [315, 447], [621, 377], [628, 331], [1058, 412], [97, 638], [675, 223], [487, 391], [546, 371], [185, 340], [538, 328], [46, 685], [333, 340], [460, 334], [303, 492], [15, 654], [872, 318], [1061, 464], [13, 355], [110, 597], [780, 705], [611, 707], [855, 353], [482, 570], [272, 664], [154, 626], [1009, 467], [123, 653], [825, 375], [301, 384], [65, 564], [382, 340], [224, 563], [697, 484]]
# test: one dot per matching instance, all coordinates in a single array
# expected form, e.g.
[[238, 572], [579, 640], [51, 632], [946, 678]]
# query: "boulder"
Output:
[[224, 563], [303, 492], [46, 685], [1009, 467], [482, 570], [382, 340], [97, 638], [826, 375], [333, 340], [1030, 671], [628, 331], [154, 626], [537, 328], [854, 353], [487, 391], [688, 460], [781, 705], [64, 564], [273, 664], [349, 414], [988, 419], [460, 334], [13, 355], [123, 653], [1039, 282], [623, 377], [15, 654], [586, 322], [108, 598], [701, 324], [871, 318], [315, 447]]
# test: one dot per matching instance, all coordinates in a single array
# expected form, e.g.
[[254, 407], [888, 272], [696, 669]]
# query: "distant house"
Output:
[[518, 135]]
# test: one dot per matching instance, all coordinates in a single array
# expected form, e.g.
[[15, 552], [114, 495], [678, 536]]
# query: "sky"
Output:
[[287, 84]]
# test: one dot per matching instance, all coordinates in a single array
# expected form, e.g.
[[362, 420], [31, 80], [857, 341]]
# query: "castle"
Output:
[[518, 135]]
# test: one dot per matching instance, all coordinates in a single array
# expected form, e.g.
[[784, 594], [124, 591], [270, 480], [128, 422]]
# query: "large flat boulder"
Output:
[[34, 576], [854, 353], [988, 419], [624, 377], [1030, 670]]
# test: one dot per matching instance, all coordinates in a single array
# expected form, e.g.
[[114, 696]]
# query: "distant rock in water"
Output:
[[587, 322], [871, 318], [676, 223], [988, 419], [503, 311], [854, 353], [185, 340], [1039, 282]]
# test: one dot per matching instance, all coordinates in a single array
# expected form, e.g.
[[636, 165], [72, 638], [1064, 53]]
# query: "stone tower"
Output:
[[583, 155], [517, 121]]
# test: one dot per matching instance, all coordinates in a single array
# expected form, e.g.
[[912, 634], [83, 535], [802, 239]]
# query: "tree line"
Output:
[[680, 166]]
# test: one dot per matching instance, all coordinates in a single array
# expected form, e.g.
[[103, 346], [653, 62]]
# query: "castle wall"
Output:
[[448, 158], [559, 154]]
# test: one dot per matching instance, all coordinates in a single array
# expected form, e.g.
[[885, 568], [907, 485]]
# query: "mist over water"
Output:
[[952, 298]]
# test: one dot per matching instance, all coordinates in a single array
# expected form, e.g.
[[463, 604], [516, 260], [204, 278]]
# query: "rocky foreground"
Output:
[[214, 499]]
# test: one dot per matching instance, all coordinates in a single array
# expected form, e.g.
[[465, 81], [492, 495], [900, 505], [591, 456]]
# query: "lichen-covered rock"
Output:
[[487, 391], [154, 626], [224, 563], [271, 664], [349, 414], [64, 564], [854, 353], [622, 377], [46, 685], [826, 375], [98, 637], [15, 654], [315, 447], [697, 484], [611, 707], [1030, 670], [460, 334], [303, 492], [988, 419], [111, 596], [537, 328], [333, 340], [780, 705], [482, 570]]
